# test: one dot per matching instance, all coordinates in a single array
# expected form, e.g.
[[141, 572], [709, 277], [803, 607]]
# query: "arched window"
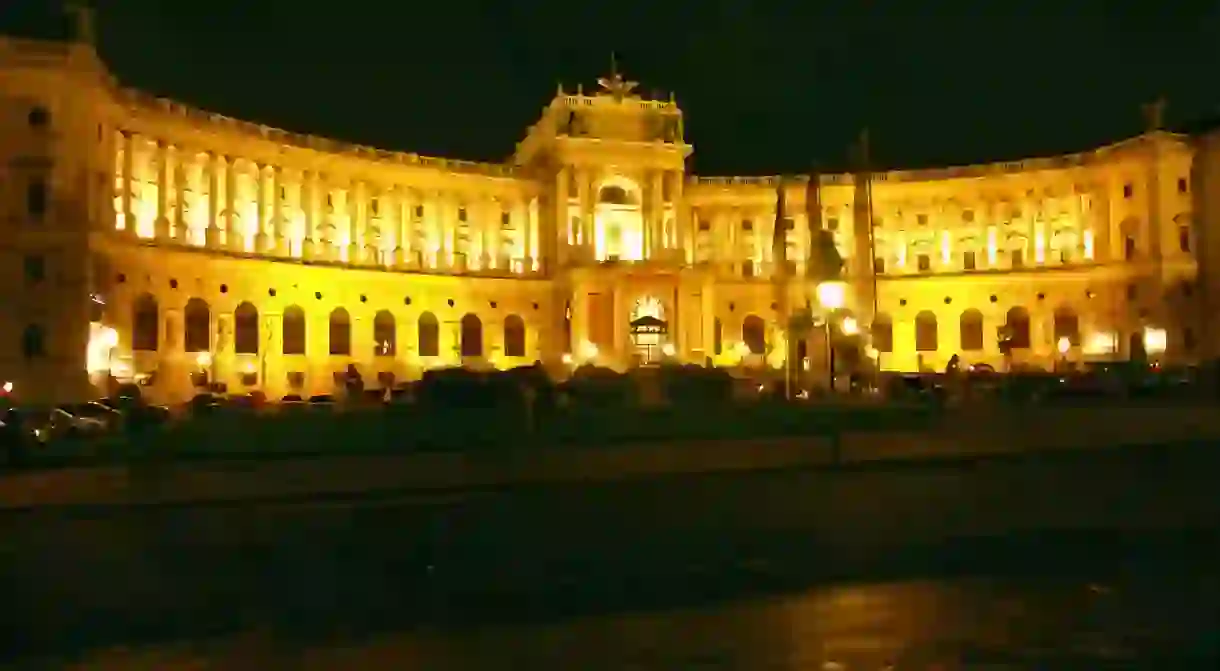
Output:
[[472, 335], [614, 195], [717, 336], [340, 333], [926, 336], [754, 334], [1067, 325], [429, 335], [883, 333], [514, 336], [33, 342], [1016, 326], [245, 329], [385, 334], [145, 324], [971, 330], [197, 328], [294, 330]]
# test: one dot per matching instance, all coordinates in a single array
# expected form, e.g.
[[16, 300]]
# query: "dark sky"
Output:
[[766, 86]]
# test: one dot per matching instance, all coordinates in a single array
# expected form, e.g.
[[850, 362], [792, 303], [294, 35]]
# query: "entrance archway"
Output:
[[649, 330]]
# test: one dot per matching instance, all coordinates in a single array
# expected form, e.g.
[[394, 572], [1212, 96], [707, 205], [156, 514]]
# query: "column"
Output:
[[583, 239], [493, 214], [530, 235], [161, 228], [233, 237], [406, 211], [355, 208], [279, 244], [560, 237], [707, 317], [682, 218], [588, 209], [453, 205], [1100, 216], [656, 213], [309, 214], [262, 240], [129, 219], [180, 231], [211, 235]]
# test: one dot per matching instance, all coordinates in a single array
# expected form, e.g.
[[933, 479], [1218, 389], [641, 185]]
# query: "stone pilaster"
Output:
[[211, 235], [161, 227]]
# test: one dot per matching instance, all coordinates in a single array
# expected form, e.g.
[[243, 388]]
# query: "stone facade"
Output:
[[156, 242]]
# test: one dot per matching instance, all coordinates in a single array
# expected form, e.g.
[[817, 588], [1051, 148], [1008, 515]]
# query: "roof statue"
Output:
[[615, 85], [1154, 115]]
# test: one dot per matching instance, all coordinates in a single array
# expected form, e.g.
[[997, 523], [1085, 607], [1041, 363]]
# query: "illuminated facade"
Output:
[[157, 242]]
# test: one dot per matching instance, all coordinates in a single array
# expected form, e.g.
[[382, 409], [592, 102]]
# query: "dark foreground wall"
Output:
[[100, 575]]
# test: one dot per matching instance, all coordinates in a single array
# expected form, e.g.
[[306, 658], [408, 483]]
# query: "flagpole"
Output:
[[779, 275]]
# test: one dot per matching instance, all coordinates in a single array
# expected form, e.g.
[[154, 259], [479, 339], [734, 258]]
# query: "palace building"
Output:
[[149, 241]]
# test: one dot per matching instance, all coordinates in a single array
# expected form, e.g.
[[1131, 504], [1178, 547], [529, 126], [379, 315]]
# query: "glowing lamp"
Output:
[[203, 359], [567, 359], [1064, 345], [8, 387], [831, 295], [849, 326], [668, 349], [588, 350]]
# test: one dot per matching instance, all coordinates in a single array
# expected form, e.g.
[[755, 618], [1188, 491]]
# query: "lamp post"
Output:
[[832, 296]]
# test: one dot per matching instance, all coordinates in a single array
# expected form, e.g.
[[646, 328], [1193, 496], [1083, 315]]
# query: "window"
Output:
[[1129, 249], [924, 263], [1132, 292], [471, 336], [385, 334], [747, 225], [39, 117], [879, 266], [462, 213], [428, 335], [506, 219], [514, 336], [705, 225], [419, 211], [832, 224], [968, 260], [1184, 239], [330, 200], [1017, 258], [340, 333], [374, 206], [925, 332], [33, 342], [717, 336], [968, 216], [36, 198], [1183, 187], [293, 335], [35, 269], [921, 219], [970, 327], [1128, 190], [245, 329], [747, 269]]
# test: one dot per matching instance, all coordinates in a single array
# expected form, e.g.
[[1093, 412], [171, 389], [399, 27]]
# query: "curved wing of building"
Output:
[[152, 242]]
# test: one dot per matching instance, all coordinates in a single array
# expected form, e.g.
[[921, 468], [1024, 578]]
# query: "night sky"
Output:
[[766, 87]]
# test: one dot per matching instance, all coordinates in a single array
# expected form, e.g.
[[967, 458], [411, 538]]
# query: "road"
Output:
[[548, 558]]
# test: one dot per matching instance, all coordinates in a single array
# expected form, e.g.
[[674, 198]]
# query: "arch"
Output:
[[245, 329], [1066, 325], [514, 336], [1016, 324], [429, 335], [926, 332], [385, 334], [970, 327], [197, 326], [340, 332], [882, 331], [294, 330], [754, 334], [33, 342], [145, 324], [614, 194], [471, 342]]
